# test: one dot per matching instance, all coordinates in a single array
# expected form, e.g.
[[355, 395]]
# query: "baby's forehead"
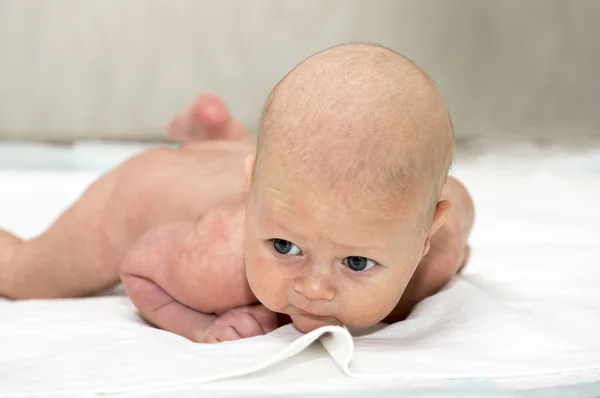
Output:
[[356, 151], [356, 172], [301, 197]]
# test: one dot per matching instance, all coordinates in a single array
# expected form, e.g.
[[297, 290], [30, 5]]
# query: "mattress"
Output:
[[522, 320]]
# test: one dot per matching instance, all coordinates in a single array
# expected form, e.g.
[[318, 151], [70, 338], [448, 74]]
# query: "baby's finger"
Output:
[[247, 326], [269, 326], [267, 320], [209, 338], [228, 333]]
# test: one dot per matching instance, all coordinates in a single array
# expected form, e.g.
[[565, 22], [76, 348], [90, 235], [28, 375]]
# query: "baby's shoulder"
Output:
[[224, 221]]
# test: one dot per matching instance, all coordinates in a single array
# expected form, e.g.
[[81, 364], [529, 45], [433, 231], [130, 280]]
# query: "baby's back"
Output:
[[81, 252], [154, 188], [164, 185], [183, 212]]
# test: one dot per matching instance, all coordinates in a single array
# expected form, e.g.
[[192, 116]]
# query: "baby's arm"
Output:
[[180, 276], [462, 217], [145, 273]]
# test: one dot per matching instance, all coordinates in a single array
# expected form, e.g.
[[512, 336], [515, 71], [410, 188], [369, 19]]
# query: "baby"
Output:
[[342, 214]]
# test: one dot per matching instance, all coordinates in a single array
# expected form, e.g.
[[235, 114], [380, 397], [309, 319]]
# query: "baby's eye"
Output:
[[358, 264], [286, 247]]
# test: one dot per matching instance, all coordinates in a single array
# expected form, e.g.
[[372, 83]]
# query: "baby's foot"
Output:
[[206, 118]]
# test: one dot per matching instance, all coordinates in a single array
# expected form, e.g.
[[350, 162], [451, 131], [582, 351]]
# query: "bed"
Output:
[[522, 320]]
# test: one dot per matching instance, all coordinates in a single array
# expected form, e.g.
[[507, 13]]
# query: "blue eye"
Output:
[[285, 247], [358, 264]]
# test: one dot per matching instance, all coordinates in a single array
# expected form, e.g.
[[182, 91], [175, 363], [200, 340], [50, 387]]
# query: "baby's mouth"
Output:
[[318, 319], [301, 312], [307, 323]]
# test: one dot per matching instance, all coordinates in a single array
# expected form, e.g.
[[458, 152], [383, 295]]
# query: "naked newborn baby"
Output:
[[341, 214]]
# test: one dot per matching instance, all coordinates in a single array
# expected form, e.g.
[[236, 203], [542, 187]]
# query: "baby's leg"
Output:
[[69, 259], [207, 118]]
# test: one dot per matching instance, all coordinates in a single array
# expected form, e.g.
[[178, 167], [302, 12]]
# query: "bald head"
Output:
[[361, 118]]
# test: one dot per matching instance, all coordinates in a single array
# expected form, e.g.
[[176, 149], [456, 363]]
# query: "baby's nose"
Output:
[[314, 286]]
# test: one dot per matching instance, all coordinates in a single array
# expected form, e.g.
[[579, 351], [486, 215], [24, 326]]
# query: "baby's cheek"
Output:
[[366, 308], [254, 273], [265, 283]]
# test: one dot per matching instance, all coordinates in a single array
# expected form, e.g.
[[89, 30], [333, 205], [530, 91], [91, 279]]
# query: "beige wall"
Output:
[[121, 68]]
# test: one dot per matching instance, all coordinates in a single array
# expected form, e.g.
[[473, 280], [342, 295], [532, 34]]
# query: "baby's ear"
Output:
[[249, 169], [442, 211]]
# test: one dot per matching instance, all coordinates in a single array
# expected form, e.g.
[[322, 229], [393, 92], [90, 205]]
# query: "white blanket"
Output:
[[525, 314]]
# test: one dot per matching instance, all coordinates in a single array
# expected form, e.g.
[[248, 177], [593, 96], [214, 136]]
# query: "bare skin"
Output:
[[170, 224], [170, 258]]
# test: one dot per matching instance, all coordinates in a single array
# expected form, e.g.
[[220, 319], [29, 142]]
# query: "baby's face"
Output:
[[324, 263]]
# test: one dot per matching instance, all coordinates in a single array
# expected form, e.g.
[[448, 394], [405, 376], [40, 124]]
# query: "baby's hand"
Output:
[[239, 323]]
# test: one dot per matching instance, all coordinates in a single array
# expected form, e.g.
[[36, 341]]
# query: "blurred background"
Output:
[[511, 70]]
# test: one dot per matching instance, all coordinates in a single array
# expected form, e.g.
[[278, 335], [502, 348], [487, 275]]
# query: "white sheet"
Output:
[[525, 314]]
